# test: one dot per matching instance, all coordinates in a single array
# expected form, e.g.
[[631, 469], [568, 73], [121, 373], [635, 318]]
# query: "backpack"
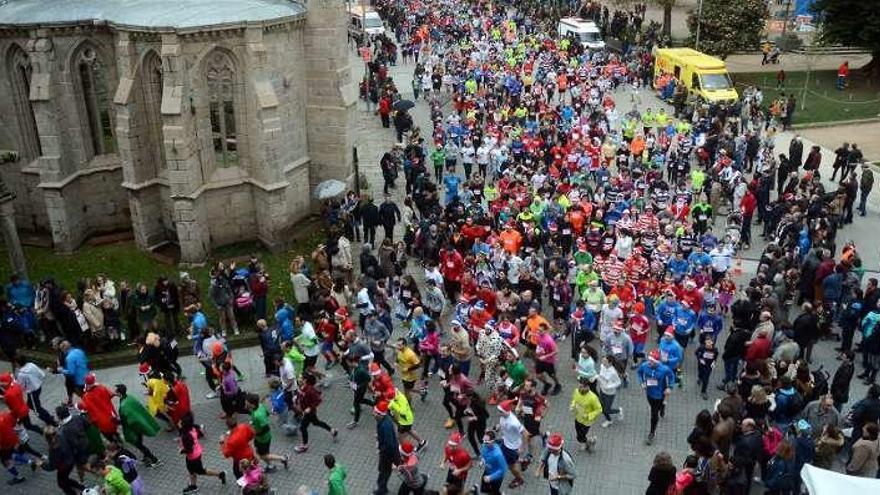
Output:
[[820, 384], [795, 404], [771, 440]]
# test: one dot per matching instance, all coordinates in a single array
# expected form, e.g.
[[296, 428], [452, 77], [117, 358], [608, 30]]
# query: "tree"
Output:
[[727, 26], [667, 16], [852, 23]]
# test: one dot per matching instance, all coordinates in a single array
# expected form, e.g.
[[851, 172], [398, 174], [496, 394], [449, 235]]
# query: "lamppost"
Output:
[[699, 23]]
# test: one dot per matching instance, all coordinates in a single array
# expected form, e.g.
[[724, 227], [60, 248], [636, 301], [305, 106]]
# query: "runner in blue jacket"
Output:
[[494, 464], [657, 379]]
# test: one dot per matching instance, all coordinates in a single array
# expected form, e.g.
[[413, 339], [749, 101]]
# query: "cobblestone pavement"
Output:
[[619, 465]]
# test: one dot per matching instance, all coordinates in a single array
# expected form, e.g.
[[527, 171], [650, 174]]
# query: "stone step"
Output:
[[111, 238], [166, 253], [35, 239]]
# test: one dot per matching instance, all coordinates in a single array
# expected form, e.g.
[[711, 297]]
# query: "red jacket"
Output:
[[14, 397], [748, 204], [238, 444], [451, 265], [758, 349], [8, 436], [182, 405], [309, 397], [97, 403]]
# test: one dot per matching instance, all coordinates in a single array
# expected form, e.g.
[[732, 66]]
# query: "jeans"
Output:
[[863, 199], [385, 468], [607, 401], [731, 369]]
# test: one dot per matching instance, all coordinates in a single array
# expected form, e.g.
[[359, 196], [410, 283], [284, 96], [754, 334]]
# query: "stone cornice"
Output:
[[78, 27]]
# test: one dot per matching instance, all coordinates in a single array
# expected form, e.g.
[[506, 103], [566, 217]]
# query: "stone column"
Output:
[[331, 93], [10, 233], [182, 154]]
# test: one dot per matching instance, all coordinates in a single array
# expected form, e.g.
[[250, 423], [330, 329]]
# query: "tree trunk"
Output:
[[667, 19]]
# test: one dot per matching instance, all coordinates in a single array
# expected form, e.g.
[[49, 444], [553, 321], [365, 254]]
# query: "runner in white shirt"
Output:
[[512, 432]]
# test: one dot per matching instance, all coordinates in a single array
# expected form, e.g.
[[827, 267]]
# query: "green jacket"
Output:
[[115, 484], [136, 420], [336, 481]]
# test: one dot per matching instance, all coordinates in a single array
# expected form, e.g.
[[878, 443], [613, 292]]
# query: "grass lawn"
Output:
[[123, 261], [824, 103]]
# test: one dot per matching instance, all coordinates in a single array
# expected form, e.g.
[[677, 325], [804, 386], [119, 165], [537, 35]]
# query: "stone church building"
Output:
[[194, 122]]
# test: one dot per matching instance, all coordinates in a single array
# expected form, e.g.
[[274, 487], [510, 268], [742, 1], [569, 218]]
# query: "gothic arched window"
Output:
[[91, 74], [151, 104], [221, 78], [19, 71]]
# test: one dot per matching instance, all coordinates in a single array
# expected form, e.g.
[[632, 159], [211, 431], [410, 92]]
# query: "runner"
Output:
[[512, 439], [657, 379]]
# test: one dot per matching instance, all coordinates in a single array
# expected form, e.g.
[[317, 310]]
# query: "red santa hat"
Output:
[[506, 406]]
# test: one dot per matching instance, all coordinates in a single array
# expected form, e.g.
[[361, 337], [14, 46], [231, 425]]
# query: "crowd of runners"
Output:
[[546, 233]]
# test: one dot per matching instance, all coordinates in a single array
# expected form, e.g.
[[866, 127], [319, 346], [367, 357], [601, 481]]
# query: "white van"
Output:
[[367, 21], [586, 32]]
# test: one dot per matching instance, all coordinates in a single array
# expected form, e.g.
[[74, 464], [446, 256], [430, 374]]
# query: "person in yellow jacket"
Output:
[[402, 414], [586, 408], [157, 390]]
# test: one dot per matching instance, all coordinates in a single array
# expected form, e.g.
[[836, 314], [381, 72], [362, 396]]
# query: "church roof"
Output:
[[153, 14]]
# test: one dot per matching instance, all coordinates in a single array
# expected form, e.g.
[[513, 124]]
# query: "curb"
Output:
[[834, 123], [128, 354]]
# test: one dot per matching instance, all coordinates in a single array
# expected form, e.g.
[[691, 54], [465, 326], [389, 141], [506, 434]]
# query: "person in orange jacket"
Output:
[[97, 404], [236, 443], [13, 394]]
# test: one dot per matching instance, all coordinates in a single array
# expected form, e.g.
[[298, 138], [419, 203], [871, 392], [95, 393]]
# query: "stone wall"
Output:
[[294, 127], [332, 93]]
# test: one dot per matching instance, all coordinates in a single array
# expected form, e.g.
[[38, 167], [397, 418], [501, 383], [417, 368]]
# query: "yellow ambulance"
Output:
[[703, 75]]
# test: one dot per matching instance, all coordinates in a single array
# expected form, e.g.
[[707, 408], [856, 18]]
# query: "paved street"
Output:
[[619, 465]]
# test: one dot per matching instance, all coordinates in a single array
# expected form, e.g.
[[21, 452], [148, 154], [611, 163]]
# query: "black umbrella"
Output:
[[403, 105]]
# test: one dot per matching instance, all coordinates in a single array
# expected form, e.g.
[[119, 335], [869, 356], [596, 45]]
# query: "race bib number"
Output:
[[702, 218], [708, 355], [566, 231], [527, 410], [450, 264], [617, 349], [508, 383], [651, 382]]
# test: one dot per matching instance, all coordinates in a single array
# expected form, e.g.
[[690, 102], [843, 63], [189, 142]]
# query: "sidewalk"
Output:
[[793, 62], [832, 136]]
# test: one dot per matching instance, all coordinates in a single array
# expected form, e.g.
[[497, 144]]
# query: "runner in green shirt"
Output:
[[438, 158], [336, 477], [516, 372], [263, 433]]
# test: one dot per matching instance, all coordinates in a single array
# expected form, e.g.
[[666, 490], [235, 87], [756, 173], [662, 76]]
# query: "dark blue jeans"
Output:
[[731, 368]]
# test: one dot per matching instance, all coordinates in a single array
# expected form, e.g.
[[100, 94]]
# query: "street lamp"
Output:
[[699, 22]]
